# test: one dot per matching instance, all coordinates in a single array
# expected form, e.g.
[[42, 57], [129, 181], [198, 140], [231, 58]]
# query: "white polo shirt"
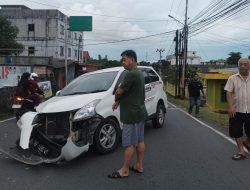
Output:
[[241, 92]]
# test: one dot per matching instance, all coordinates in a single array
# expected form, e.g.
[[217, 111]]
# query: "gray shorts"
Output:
[[132, 134]]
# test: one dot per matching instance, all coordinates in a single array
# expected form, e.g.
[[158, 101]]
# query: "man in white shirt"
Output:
[[238, 98]]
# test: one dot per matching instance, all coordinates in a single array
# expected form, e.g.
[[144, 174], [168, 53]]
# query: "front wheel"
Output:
[[107, 136], [158, 121]]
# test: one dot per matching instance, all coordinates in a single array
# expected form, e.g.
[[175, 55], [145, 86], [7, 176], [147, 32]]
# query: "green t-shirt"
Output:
[[132, 106]]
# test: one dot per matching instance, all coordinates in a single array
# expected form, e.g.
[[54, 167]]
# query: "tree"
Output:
[[8, 35], [234, 57], [108, 64], [103, 63], [145, 63]]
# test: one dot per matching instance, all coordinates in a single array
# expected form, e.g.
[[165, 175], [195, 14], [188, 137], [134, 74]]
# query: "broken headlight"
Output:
[[86, 111]]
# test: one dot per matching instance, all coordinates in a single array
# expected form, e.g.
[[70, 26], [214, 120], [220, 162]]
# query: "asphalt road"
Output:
[[182, 155]]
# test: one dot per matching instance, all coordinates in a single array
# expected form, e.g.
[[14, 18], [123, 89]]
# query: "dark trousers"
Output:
[[194, 101]]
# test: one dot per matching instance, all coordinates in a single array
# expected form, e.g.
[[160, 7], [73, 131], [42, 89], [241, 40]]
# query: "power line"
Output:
[[131, 39], [68, 9], [218, 14]]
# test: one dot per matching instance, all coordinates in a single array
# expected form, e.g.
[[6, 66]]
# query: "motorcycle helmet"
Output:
[[33, 76]]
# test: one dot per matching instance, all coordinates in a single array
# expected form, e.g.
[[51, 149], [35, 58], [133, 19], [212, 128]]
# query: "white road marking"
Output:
[[7, 119], [209, 127], [174, 106]]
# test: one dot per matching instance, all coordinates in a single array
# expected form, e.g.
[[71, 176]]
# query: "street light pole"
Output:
[[175, 19], [185, 50]]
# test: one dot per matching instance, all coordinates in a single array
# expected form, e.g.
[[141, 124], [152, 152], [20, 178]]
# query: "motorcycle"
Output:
[[22, 105]]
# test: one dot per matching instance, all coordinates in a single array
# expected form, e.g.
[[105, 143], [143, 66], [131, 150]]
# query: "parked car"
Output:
[[81, 115]]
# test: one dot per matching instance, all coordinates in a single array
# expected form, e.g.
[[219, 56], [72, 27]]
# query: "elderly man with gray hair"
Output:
[[238, 98]]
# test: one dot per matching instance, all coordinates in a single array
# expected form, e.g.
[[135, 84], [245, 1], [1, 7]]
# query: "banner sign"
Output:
[[80, 23], [10, 75]]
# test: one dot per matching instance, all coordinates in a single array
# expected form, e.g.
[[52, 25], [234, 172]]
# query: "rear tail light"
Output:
[[19, 98]]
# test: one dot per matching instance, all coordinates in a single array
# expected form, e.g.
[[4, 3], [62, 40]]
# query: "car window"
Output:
[[152, 75], [146, 77], [119, 81], [90, 83]]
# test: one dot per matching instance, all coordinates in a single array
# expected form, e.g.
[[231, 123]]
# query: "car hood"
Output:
[[68, 103]]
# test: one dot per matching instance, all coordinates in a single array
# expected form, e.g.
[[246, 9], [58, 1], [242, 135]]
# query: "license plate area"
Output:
[[16, 106]]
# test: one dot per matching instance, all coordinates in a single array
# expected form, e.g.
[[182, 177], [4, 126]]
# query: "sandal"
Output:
[[238, 156], [132, 168], [116, 175]]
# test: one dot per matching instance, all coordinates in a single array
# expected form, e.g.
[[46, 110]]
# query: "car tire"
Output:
[[158, 121], [107, 136]]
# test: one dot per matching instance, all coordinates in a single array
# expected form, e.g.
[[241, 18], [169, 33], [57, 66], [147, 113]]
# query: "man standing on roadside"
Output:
[[194, 88], [238, 98], [131, 96]]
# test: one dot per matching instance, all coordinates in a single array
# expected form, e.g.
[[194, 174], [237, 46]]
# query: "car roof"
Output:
[[115, 69]]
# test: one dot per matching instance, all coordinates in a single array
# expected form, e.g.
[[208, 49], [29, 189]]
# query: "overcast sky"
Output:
[[127, 19]]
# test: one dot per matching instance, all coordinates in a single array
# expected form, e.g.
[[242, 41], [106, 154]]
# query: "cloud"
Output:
[[123, 19]]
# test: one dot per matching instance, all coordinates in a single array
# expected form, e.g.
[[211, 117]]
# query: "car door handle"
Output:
[[147, 89]]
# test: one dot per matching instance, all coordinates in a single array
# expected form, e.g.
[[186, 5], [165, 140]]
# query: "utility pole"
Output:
[[66, 52], [183, 49], [160, 51], [176, 62], [184, 66]]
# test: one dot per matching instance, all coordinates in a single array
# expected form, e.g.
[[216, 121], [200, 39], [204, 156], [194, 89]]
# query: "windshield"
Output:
[[92, 83]]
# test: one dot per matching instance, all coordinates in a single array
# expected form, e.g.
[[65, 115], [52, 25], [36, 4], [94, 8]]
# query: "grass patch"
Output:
[[205, 112], [6, 115]]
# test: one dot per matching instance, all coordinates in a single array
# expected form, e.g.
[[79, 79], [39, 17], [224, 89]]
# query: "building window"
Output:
[[69, 52], [61, 29], [31, 27], [31, 50], [223, 92], [61, 51], [75, 36]]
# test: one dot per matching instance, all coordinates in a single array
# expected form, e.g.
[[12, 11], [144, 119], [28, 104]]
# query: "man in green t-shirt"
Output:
[[130, 96]]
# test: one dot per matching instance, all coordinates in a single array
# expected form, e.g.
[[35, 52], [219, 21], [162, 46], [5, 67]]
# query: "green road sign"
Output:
[[80, 23]]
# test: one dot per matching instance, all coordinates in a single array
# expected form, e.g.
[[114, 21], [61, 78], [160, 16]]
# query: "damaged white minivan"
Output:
[[81, 115]]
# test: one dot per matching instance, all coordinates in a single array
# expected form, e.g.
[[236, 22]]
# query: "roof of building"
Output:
[[4, 7], [86, 54], [21, 11], [219, 73]]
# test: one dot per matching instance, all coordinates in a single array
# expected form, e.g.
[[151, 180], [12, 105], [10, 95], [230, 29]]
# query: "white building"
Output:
[[192, 58], [42, 32]]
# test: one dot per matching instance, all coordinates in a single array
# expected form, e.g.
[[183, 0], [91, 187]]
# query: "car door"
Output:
[[155, 88], [148, 90]]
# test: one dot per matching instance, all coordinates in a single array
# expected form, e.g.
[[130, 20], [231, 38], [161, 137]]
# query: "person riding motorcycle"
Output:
[[36, 92], [29, 91]]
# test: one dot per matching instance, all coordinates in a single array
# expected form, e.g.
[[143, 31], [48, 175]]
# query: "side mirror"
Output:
[[58, 92]]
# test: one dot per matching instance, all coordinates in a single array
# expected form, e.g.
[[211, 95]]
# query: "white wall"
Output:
[[45, 44]]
